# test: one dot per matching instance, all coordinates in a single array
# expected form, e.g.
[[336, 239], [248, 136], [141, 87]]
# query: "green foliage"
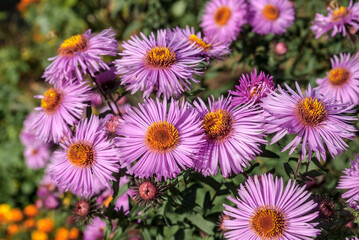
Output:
[[194, 203]]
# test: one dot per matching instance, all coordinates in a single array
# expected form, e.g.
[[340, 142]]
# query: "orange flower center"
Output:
[[268, 223], [160, 57], [73, 44], [270, 12], [311, 111], [162, 136], [338, 76], [199, 43], [81, 154], [339, 14], [217, 125], [222, 15], [51, 100]]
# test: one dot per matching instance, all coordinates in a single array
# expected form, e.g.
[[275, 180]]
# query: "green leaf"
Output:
[[201, 223]]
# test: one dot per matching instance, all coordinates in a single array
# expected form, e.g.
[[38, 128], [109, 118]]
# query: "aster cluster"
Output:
[[117, 157]]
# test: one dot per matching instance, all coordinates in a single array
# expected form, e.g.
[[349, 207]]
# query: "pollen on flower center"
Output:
[[81, 154], [311, 111], [162, 136], [51, 100], [338, 76], [73, 44], [217, 125], [222, 15], [256, 90], [199, 43], [160, 57], [268, 223], [339, 14], [270, 12]]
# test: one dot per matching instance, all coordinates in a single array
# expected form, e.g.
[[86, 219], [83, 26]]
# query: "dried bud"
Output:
[[149, 191], [325, 206], [112, 124], [85, 210], [82, 208], [281, 48]]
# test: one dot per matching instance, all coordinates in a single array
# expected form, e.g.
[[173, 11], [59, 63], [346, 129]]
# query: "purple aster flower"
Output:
[[95, 230], [27, 136], [37, 155], [167, 65], [252, 88], [339, 20], [81, 54], [350, 182], [355, 238], [233, 136], [316, 121], [60, 108], [265, 210], [271, 16], [162, 140], [51, 202], [87, 161], [342, 81], [211, 47], [224, 18]]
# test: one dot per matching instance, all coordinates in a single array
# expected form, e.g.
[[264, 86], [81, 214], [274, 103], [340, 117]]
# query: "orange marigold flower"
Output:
[[38, 235], [21, 6], [30, 210], [45, 225], [29, 223], [15, 215], [61, 234], [74, 234], [13, 229]]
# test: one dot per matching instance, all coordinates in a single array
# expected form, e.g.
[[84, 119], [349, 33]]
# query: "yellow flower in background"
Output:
[[30, 210], [5, 210], [45, 225], [15, 215], [38, 235], [13, 229]]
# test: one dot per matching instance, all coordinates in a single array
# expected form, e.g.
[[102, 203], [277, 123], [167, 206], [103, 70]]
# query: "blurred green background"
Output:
[[31, 32]]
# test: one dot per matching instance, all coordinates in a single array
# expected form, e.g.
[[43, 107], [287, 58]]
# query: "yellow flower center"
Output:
[[311, 111], [268, 223], [73, 44], [217, 125], [51, 100], [160, 57], [339, 14], [81, 154], [199, 43], [162, 136], [270, 12], [338, 76], [222, 15]]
